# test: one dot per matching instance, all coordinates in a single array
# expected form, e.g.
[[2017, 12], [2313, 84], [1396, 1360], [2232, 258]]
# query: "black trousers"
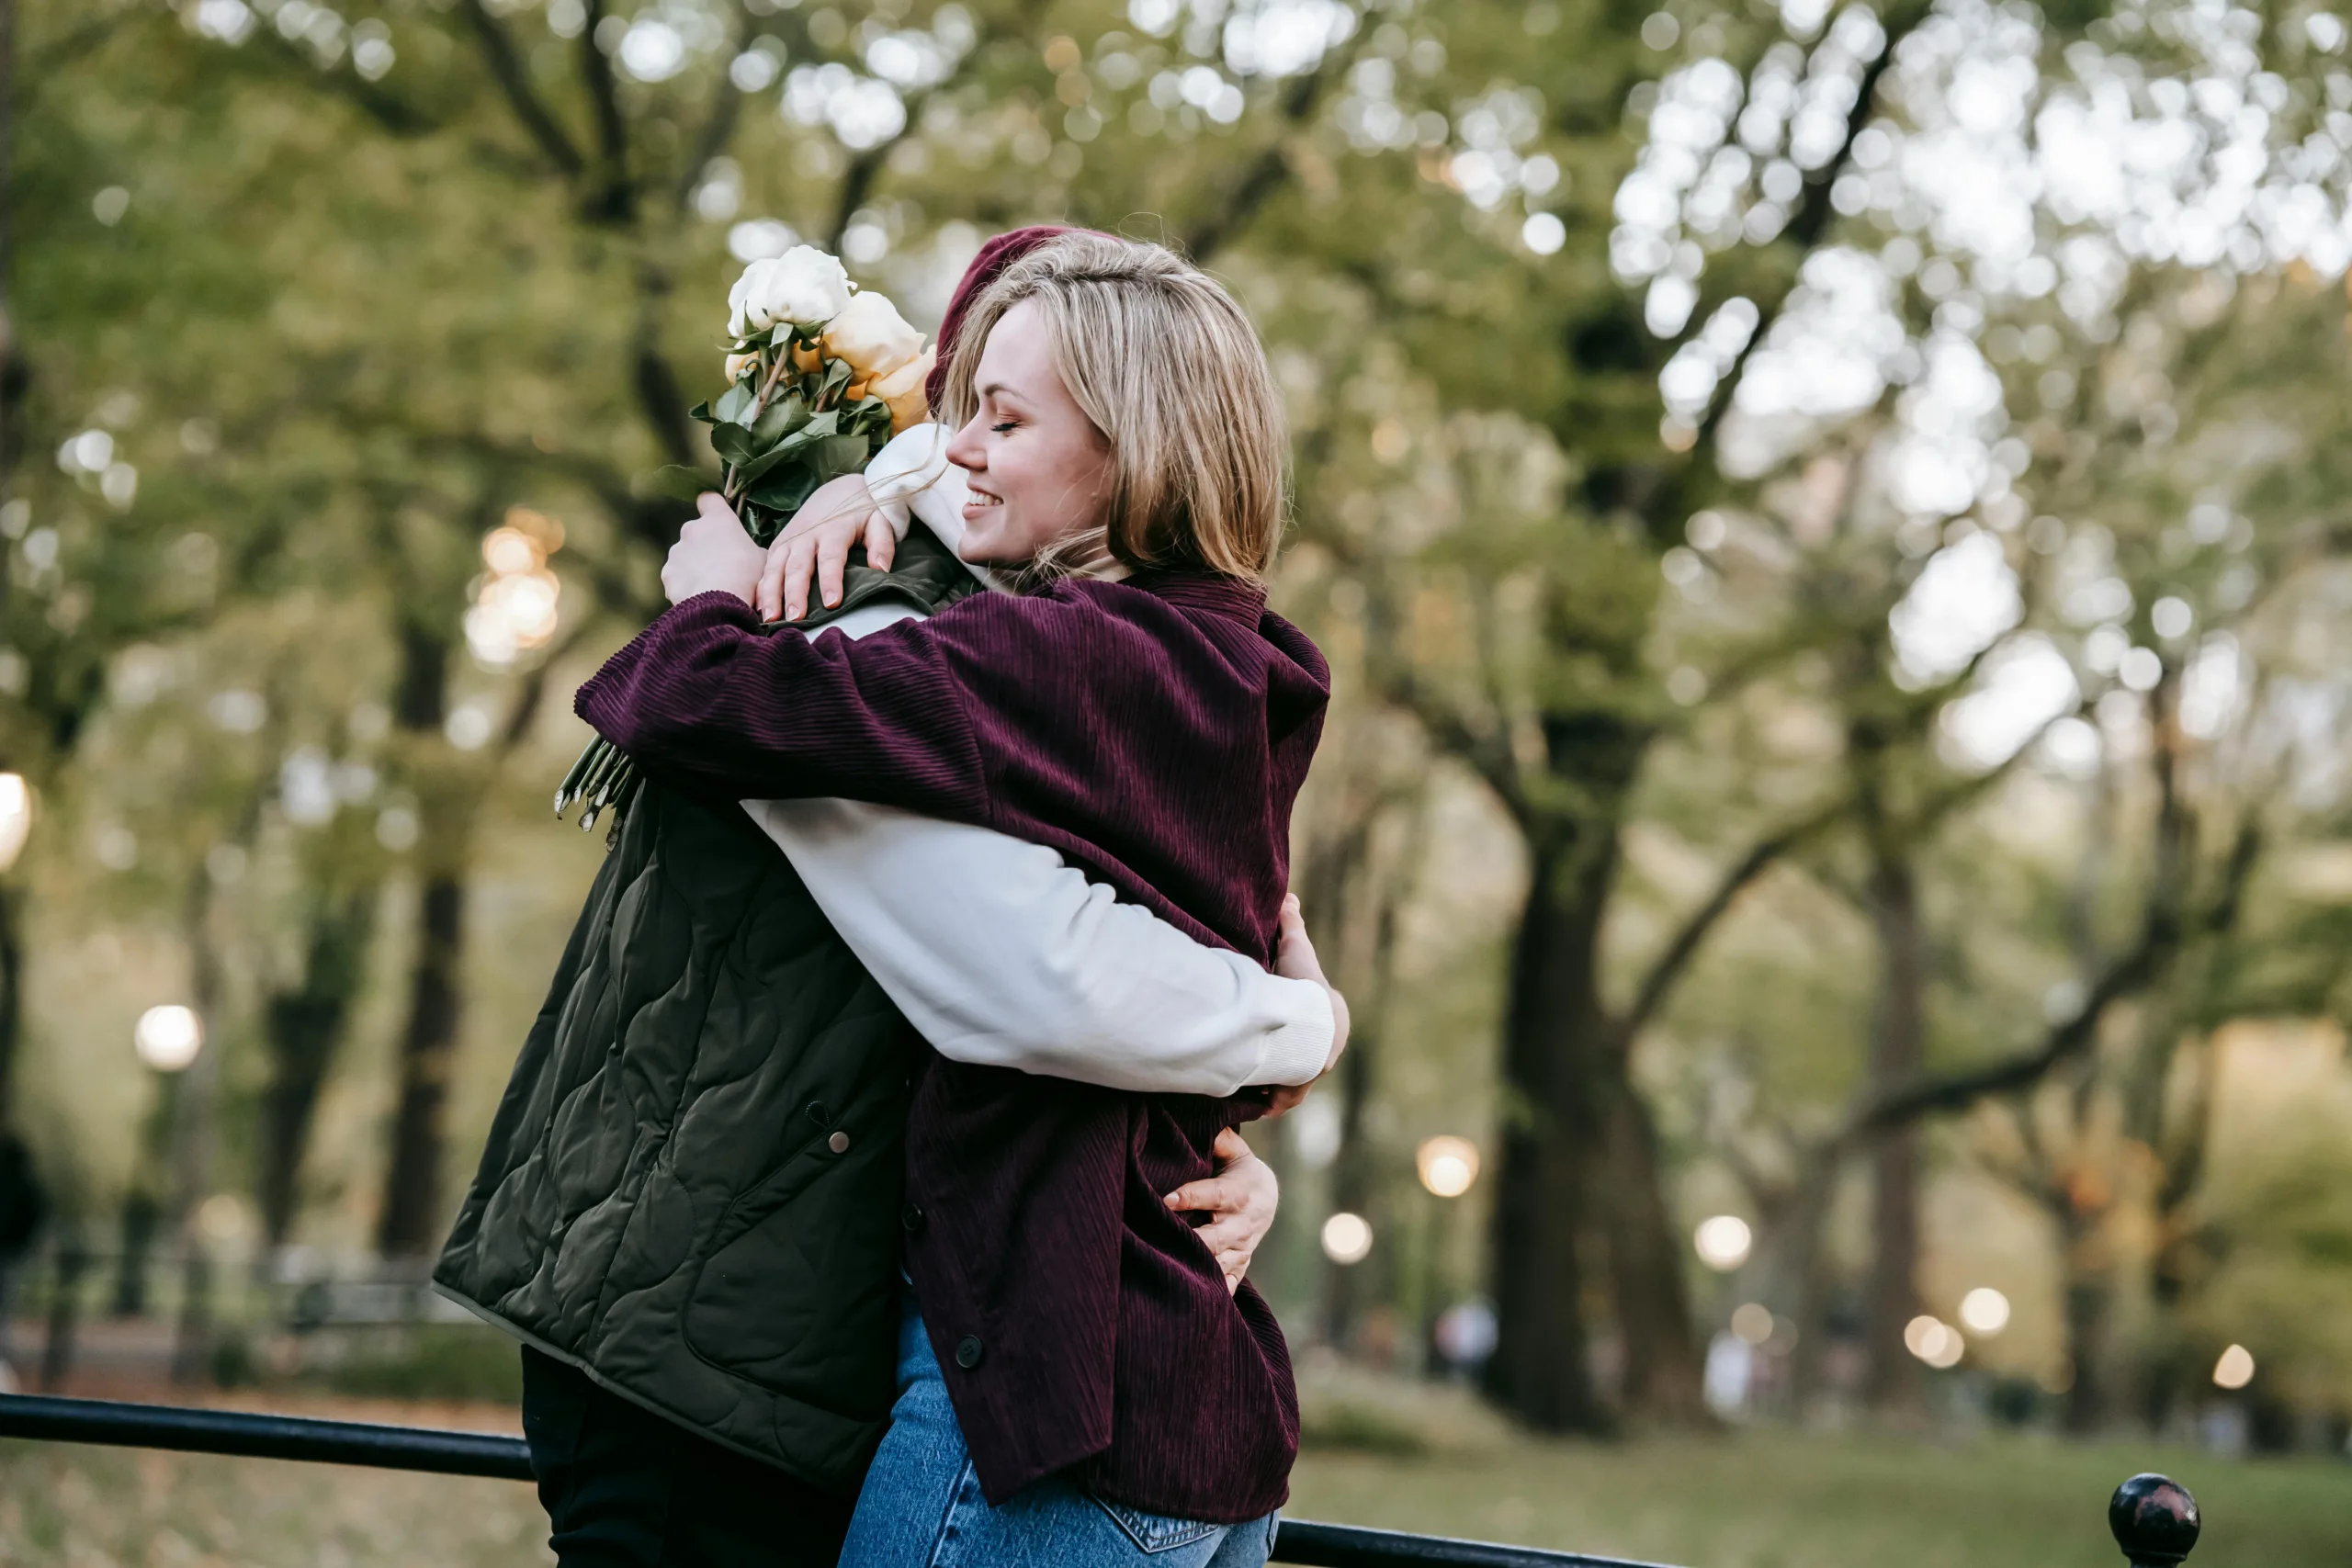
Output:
[[623, 1488]]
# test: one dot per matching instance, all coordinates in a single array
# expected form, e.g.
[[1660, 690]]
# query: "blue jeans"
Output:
[[923, 1508]]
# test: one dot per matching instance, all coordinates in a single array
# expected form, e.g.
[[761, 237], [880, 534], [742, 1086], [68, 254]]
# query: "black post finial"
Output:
[[2154, 1520]]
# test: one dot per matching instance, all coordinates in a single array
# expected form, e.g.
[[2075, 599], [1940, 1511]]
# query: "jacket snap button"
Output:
[[967, 1351], [912, 1218], [838, 1143]]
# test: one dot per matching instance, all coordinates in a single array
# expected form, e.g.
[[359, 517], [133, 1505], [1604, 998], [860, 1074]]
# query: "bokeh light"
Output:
[[1934, 1342], [168, 1037], [516, 608], [1752, 1321], [2235, 1369], [15, 818], [1985, 1311], [1448, 1164], [1722, 1242], [1347, 1238]]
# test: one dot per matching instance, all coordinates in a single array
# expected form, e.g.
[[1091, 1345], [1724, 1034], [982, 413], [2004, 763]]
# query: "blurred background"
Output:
[[1829, 522]]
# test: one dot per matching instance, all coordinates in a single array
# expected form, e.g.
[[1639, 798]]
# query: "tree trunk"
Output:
[[12, 995], [1351, 1185], [195, 1135], [412, 1217], [1803, 1278], [410, 1222], [1893, 1384], [1664, 1364], [2089, 1301], [1541, 1371], [303, 1029]]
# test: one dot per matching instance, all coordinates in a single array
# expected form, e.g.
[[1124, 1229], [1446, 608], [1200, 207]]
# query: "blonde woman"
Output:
[[1078, 1385]]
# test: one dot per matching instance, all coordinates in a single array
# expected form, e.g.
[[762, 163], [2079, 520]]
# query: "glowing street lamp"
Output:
[[1448, 1164], [168, 1037], [16, 817]]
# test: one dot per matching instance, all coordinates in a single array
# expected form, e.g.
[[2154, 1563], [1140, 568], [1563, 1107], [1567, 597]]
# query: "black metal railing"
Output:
[[2154, 1519]]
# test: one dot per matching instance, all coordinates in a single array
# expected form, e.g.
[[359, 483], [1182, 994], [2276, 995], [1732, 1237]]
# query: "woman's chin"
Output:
[[980, 550]]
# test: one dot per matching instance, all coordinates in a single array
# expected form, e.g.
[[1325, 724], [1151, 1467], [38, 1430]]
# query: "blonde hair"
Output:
[[1166, 367]]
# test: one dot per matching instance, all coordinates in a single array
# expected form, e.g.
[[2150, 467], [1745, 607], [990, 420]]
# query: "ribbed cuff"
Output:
[[1297, 1047]]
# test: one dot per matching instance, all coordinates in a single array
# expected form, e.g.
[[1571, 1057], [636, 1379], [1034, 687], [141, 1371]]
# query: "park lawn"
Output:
[[1759, 1500], [1776, 1499]]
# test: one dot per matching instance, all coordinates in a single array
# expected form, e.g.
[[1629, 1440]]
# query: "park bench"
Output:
[[2154, 1519]]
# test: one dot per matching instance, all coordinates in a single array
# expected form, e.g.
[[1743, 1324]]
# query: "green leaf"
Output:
[[784, 491], [838, 455], [734, 444], [783, 415], [733, 404], [701, 412], [677, 482]]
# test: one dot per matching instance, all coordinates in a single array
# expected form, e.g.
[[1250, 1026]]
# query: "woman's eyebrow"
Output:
[[998, 389]]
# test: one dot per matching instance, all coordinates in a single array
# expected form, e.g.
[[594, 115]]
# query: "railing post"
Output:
[[2154, 1520]]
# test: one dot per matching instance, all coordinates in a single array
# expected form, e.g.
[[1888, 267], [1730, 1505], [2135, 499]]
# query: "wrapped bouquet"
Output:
[[820, 377]]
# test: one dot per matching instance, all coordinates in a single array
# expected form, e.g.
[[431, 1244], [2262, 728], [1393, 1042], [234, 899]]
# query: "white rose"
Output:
[[872, 337], [803, 286]]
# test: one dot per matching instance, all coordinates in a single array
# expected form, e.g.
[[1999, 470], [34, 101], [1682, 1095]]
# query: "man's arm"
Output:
[[1002, 954]]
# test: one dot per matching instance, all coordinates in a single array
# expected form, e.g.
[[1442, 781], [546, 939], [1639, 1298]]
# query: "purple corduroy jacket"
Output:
[[1155, 732]]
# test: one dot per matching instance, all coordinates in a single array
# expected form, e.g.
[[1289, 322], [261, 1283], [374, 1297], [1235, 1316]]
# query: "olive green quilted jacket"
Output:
[[692, 1190]]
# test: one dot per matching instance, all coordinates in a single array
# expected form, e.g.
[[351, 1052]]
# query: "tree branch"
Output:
[[2160, 939], [1813, 217], [1485, 751], [506, 68], [611, 200], [1269, 170], [718, 130], [1685, 943]]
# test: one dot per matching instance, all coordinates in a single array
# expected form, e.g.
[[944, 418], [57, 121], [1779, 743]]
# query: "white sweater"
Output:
[[998, 952]]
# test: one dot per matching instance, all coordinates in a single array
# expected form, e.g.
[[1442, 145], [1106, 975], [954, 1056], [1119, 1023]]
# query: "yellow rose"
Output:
[[735, 364], [903, 389], [871, 337], [805, 359]]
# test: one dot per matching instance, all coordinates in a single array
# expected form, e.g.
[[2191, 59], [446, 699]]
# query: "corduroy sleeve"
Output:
[[706, 698]]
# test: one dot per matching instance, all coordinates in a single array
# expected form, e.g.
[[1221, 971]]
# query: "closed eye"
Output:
[[1002, 429]]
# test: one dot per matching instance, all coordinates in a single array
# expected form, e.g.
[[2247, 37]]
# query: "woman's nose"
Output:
[[963, 447]]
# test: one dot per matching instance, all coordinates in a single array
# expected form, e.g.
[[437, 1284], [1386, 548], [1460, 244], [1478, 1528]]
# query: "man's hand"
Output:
[[713, 553], [1294, 960], [841, 513], [1243, 1195]]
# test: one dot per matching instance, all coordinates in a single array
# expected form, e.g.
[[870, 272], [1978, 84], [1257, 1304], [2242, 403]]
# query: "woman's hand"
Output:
[[713, 553], [840, 515], [1294, 960], [1243, 1195]]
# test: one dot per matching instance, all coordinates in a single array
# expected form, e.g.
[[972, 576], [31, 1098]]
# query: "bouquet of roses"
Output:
[[820, 377]]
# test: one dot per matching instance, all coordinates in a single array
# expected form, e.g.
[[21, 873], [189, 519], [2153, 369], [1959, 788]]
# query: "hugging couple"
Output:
[[849, 1199]]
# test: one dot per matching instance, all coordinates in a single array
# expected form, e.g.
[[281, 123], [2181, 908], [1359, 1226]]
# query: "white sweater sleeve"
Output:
[[912, 478], [1002, 954]]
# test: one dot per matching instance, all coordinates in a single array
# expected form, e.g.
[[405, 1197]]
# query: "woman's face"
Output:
[[1037, 469]]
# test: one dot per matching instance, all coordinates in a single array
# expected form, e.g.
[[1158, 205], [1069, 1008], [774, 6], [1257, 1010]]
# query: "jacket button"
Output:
[[967, 1351], [912, 1218], [838, 1143]]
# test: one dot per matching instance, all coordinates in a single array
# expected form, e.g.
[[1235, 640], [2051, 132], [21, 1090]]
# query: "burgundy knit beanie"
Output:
[[994, 257]]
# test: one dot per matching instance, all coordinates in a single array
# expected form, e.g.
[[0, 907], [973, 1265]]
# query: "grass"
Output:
[[1785, 1500], [1757, 1500]]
